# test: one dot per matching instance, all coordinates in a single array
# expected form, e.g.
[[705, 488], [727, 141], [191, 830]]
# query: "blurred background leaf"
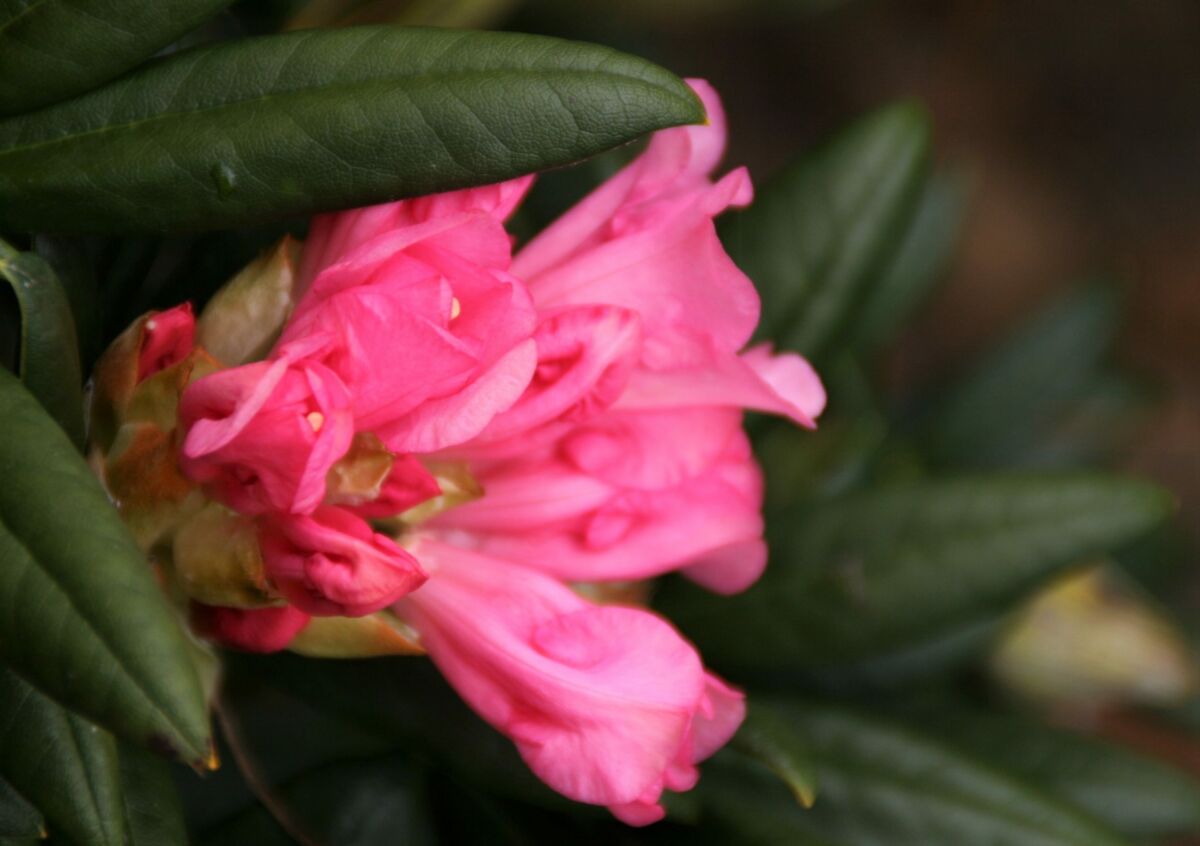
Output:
[[819, 231], [869, 574]]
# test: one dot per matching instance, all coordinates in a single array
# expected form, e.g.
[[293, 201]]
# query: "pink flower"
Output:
[[262, 436], [627, 495], [332, 563], [432, 335], [607, 705], [594, 386], [248, 629], [167, 338]]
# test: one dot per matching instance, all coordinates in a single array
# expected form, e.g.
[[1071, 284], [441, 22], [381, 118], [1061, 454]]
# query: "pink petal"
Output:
[[676, 158], [333, 236], [585, 357], [782, 384], [445, 422], [597, 699]]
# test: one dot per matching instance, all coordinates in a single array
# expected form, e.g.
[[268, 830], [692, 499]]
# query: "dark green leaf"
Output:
[[153, 813], [769, 738], [819, 231], [18, 819], [54, 49], [998, 410], [1135, 795], [882, 785], [83, 616], [49, 353], [917, 263], [74, 264], [872, 574], [62, 763], [292, 124]]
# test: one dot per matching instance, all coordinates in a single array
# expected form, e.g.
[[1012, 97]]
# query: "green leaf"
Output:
[[818, 232], [153, 812], [916, 265], [999, 409], [767, 736], [882, 785], [1133, 794], [18, 819], [84, 619], [875, 573], [256, 128], [49, 352], [62, 763], [54, 49], [73, 262]]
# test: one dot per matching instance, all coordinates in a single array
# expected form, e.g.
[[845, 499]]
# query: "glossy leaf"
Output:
[[54, 49], [85, 619], [153, 812], [999, 408], [62, 763], [916, 264], [49, 351], [882, 785], [18, 819], [871, 574], [287, 125], [767, 737], [1133, 794], [819, 231]]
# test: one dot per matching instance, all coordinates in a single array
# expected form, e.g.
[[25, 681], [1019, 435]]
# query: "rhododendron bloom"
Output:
[[572, 414]]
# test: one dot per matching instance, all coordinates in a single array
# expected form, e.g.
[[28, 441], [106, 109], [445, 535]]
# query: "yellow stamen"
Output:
[[315, 419], [455, 308]]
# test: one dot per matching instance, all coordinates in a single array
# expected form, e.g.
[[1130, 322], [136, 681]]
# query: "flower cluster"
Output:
[[406, 425]]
